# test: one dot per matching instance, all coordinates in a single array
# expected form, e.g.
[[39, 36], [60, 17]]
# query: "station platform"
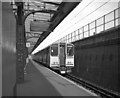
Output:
[[41, 81]]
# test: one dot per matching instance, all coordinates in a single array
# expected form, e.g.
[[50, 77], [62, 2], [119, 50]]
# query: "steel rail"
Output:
[[98, 90]]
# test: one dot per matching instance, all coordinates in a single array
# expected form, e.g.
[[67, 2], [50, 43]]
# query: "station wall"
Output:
[[8, 50], [97, 59]]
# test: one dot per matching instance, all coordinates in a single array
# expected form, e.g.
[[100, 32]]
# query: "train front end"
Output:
[[69, 57], [66, 57], [54, 58]]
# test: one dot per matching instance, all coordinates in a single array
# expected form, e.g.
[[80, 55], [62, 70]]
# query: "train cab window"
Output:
[[54, 51], [70, 50]]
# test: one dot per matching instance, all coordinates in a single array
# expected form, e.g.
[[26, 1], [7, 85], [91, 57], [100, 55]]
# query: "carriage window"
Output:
[[70, 50], [54, 51]]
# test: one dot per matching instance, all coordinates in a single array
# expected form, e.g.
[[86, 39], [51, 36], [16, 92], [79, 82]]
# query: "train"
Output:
[[58, 56]]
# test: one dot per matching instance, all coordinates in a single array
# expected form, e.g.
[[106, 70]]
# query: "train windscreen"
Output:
[[70, 50], [54, 50]]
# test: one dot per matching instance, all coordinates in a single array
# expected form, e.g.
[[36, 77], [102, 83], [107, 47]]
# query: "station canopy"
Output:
[[38, 22], [42, 17]]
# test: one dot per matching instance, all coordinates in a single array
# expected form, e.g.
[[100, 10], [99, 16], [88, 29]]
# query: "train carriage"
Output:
[[58, 56], [62, 57]]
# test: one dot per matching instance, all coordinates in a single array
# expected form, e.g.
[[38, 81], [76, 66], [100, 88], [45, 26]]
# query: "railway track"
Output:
[[98, 90]]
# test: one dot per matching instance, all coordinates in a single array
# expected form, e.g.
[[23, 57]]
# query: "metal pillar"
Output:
[[20, 44]]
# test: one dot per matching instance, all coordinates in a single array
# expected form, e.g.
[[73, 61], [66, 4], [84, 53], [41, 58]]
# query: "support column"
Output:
[[20, 44]]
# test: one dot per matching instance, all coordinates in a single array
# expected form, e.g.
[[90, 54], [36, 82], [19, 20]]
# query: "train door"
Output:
[[62, 57]]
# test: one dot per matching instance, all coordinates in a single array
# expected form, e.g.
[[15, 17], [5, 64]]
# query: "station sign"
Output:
[[27, 44], [39, 26]]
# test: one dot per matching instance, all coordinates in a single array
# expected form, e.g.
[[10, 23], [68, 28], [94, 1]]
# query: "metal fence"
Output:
[[110, 20]]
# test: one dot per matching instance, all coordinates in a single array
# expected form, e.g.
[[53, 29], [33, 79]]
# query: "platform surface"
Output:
[[41, 81]]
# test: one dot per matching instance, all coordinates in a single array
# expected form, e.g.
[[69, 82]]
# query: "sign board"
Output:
[[39, 26], [27, 44]]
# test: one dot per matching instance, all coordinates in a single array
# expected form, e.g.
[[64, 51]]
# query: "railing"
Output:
[[112, 19]]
